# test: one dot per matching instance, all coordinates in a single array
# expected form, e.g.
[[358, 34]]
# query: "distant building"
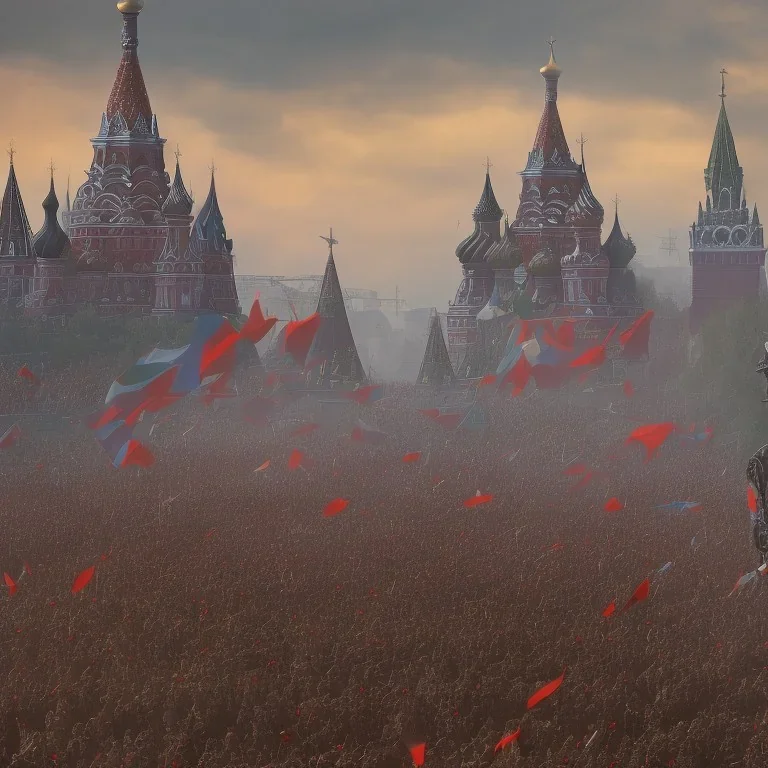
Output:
[[552, 248], [726, 253], [129, 241]]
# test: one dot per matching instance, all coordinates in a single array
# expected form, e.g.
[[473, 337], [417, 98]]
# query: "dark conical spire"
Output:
[[333, 357], [51, 242], [179, 202], [209, 233], [723, 175], [15, 232], [436, 369], [487, 210], [620, 250]]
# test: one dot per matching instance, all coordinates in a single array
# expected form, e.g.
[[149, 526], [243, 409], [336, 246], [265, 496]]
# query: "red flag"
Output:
[[751, 499], [257, 326], [335, 506], [82, 579], [487, 380], [566, 334], [136, 455], [640, 594], [629, 390], [507, 740], [593, 357], [417, 753], [10, 583], [518, 375], [652, 436], [475, 501], [575, 469], [411, 457], [27, 569], [299, 335], [635, 339], [295, 459], [25, 373], [609, 609], [545, 691], [263, 467], [305, 429], [613, 505]]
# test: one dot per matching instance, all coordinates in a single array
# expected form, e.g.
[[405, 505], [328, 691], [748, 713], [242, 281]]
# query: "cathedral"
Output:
[[128, 240], [551, 254]]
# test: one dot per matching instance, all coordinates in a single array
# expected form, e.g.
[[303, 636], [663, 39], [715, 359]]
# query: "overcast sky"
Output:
[[375, 116]]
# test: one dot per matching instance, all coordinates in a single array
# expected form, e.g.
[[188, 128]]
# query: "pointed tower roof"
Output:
[[586, 210], [129, 96], [619, 250], [208, 233], [333, 355], [550, 145], [179, 202], [723, 171], [15, 232], [51, 242], [436, 369], [487, 210]]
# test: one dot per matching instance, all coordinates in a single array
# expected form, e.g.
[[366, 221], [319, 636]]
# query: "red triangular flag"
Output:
[[257, 326], [609, 609], [10, 583], [507, 740], [25, 373], [263, 467], [545, 691], [417, 753], [295, 459], [652, 436], [27, 569], [751, 499], [613, 505], [299, 335], [475, 501], [335, 506], [640, 594], [575, 469], [82, 579], [487, 380], [411, 457], [137, 455], [593, 357]]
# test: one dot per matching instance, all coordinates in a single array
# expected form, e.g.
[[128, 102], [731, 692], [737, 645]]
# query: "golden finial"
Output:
[[11, 151], [551, 69], [723, 73], [488, 165], [130, 6], [177, 153], [51, 168]]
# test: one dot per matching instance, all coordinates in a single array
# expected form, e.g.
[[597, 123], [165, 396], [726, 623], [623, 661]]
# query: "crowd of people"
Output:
[[231, 623]]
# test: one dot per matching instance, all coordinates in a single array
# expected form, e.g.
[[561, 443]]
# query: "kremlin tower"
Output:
[[726, 240], [552, 248], [131, 241]]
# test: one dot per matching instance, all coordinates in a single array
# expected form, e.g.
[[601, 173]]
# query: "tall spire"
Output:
[[129, 96], [333, 357], [15, 232], [179, 202], [51, 242], [550, 145], [436, 369], [209, 233], [723, 175], [487, 210]]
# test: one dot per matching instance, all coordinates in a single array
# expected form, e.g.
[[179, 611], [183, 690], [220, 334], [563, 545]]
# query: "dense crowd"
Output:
[[229, 623]]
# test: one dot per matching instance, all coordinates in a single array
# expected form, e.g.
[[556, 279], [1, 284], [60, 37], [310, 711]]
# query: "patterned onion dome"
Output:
[[51, 242], [619, 250], [487, 210], [586, 210], [544, 264], [472, 247], [178, 202], [506, 254]]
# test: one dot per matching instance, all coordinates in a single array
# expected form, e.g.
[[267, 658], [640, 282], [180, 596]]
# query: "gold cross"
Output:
[[616, 201], [581, 141], [723, 73], [488, 164], [177, 153], [551, 42], [212, 167], [11, 151], [51, 167]]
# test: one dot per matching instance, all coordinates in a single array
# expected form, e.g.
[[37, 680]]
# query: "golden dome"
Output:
[[551, 69], [130, 6]]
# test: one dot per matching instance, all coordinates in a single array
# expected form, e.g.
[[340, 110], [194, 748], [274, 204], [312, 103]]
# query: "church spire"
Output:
[[209, 233], [487, 210], [51, 242], [436, 369], [723, 175], [550, 145], [15, 232], [333, 357], [179, 202], [129, 97]]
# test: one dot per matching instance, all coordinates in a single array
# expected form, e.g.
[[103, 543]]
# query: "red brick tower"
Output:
[[726, 240]]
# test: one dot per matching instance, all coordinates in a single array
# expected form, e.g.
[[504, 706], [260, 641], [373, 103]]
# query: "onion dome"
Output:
[[619, 250], [178, 202], [551, 70], [51, 242], [130, 6], [544, 264], [473, 247], [487, 210], [586, 210], [506, 254]]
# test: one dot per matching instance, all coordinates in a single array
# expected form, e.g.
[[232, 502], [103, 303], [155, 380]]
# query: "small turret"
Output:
[[179, 202], [208, 233], [51, 242]]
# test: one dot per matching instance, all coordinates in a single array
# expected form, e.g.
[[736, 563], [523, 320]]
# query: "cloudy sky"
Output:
[[376, 116]]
